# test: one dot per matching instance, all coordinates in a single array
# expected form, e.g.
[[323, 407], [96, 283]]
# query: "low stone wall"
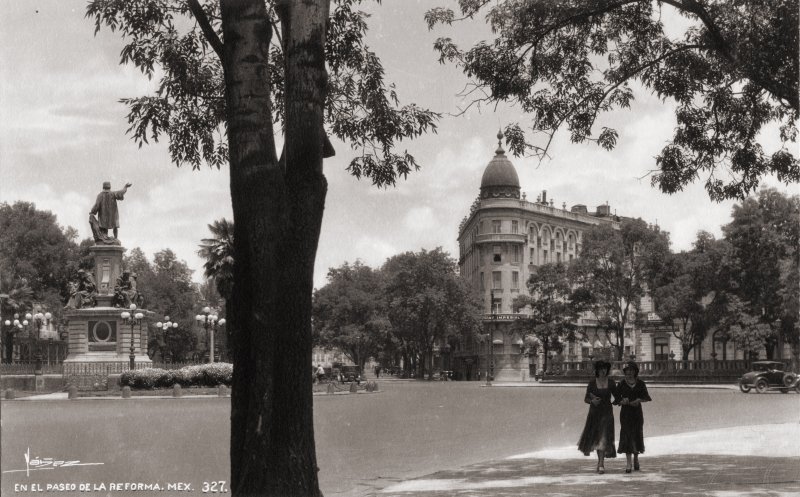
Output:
[[679, 377], [26, 382]]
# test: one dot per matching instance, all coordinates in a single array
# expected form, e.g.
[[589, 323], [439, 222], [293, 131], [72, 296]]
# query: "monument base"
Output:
[[100, 346]]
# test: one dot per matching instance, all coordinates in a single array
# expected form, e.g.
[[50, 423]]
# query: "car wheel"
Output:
[[761, 386], [744, 388], [784, 390], [788, 380]]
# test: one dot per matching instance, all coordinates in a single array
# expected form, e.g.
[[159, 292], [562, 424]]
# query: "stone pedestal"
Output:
[[100, 345], [38, 382], [107, 268]]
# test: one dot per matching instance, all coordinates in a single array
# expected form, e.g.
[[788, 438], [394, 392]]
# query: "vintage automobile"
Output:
[[769, 375], [351, 373]]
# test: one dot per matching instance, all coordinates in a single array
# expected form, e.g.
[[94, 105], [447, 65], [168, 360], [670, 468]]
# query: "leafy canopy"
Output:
[[732, 72], [349, 311], [165, 41]]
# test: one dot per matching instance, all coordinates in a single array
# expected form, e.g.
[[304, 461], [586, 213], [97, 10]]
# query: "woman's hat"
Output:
[[631, 365], [601, 364]]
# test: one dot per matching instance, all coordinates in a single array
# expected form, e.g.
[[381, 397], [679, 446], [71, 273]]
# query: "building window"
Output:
[[497, 251], [515, 226], [515, 252], [661, 348], [496, 226], [497, 282], [480, 228], [538, 242], [545, 257], [497, 305], [558, 256], [515, 280], [571, 257], [482, 283], [552, 245], [533, 254]]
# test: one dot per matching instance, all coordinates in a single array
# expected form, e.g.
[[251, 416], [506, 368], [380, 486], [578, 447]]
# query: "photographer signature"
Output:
[[38, 463]]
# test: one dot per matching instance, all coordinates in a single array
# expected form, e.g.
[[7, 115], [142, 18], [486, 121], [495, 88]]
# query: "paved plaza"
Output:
[[420, 439], [747, 460]]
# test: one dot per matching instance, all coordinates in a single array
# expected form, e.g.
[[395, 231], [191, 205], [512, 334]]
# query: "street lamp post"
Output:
[[167, 325], [132, 318], [38, 320], [209, 322], [19, 326], [490, 364], [358, 353]]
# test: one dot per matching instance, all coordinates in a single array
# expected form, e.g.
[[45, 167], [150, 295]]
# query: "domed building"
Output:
[[502, 239]]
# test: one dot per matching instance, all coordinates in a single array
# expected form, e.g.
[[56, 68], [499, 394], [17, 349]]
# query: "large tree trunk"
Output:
[[277, 214]]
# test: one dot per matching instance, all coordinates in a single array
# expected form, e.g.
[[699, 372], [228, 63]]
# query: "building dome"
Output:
[[500, 177]]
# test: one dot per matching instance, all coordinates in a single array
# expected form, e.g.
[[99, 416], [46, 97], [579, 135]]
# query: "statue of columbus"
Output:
[[105, 207]]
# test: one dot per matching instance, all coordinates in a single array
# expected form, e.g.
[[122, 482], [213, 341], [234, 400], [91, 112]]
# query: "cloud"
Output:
[[420, 219]]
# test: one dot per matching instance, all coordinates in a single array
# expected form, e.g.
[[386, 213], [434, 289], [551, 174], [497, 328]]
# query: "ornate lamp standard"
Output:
[[490, 363], [209, 322], [132, 318], [18, 327], [38, 320], [167, 325]]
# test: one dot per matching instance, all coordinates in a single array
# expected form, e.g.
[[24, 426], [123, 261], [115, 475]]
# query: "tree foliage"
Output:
[[218, 253], [733, 72], [550, 313], [166, 40], [695, 293], [615, 269], [764, 235], [167, 287], [428, 302], [36, 249], [350, 313]]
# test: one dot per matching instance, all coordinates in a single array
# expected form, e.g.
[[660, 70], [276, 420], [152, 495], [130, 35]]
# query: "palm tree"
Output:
[[218, 253]]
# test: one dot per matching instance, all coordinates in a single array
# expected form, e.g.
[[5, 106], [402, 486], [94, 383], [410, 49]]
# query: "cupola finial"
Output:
[[499, 150]]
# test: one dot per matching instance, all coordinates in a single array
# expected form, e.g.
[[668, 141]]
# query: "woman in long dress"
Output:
[[631, 392], [598, 433]]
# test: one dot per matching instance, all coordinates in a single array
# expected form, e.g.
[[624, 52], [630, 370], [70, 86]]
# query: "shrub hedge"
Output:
[[201, 375]]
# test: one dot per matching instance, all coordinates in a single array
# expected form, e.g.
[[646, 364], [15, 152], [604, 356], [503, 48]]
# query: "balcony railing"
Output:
[[655, 368], [501, 238]]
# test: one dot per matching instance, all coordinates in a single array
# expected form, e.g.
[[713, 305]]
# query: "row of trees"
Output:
[[743, 287], [415, 301], [38, 259]]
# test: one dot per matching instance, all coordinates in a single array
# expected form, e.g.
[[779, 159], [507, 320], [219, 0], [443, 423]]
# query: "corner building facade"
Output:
[[502, 239]]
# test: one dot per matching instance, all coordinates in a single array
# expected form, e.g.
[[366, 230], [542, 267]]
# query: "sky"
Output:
[[63, 132]]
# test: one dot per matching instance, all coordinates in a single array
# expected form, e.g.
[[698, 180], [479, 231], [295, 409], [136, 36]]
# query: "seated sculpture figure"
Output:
[[82, 292], [125, 292]]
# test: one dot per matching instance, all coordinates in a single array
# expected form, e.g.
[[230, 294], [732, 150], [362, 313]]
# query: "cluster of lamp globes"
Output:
[[132, 314], [207, 317], [38, 317]]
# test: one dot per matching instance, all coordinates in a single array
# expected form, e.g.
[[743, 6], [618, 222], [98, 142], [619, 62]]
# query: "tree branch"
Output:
[[205, 26]]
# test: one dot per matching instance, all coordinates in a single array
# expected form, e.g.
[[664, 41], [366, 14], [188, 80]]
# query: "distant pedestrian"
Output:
[[631, 392], [598, 433], [320, 373]]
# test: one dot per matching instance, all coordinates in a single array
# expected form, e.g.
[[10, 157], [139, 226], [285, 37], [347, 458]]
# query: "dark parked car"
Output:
[[351, 373], [769, 375]]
